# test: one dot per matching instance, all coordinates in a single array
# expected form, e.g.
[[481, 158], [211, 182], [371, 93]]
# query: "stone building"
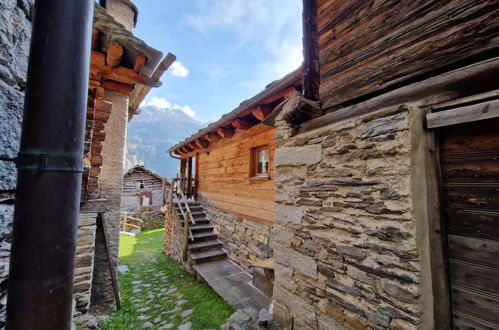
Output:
[[385, 169], [123, 70], [143, 190]]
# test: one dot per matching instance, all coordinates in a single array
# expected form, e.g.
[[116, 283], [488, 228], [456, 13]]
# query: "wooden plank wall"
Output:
[[366, 45], [224, 175], [130, 196], [470, 180]]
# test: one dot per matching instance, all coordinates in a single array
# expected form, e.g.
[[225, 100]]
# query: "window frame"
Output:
[[253, 175]]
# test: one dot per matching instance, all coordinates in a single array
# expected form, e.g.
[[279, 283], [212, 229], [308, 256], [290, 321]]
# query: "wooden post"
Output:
[[171, 197], [186, 234], [183, 163], [189, 191]]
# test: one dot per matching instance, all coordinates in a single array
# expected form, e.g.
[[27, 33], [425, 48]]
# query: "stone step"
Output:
[[193, 208], [208, 255], [198, 221], [206, 245], [200, 228], [199, 237]]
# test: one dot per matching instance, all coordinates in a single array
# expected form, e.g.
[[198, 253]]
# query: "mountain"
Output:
[[152, 132]]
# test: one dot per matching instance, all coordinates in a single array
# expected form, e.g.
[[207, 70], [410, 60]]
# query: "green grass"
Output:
[[148, 263]]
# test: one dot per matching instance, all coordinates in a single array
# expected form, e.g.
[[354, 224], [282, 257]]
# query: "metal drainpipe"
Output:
[[49, 164]]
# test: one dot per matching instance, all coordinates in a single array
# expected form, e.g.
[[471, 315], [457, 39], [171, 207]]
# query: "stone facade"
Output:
[[85, 246], [245, 241], [15, 33], [345, 237], [111, 183]]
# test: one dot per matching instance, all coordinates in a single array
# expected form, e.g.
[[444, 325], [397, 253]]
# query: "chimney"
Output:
[[123, 11]]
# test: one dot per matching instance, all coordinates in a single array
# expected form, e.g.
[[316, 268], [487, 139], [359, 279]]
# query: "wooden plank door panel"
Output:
[[470, 192]]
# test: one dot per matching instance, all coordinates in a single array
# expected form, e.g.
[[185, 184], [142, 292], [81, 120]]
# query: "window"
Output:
[[260, 162], [139, 184]]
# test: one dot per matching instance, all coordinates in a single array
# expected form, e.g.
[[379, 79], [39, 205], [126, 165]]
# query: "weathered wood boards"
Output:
[[470, 184], [367, 46], [223, 175], [475, 112]]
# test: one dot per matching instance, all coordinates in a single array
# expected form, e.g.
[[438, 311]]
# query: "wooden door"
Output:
[[470, 185]]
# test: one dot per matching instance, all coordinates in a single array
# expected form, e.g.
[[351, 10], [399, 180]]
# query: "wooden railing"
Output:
[[129, 221], [178, 197]]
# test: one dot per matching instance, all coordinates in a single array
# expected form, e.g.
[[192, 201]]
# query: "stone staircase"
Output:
[[205, 247], [211, 264]]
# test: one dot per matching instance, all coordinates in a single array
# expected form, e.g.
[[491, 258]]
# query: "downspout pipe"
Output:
[[50, 163]]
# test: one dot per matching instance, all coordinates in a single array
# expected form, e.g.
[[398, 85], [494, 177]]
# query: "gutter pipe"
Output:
[[50, 164]]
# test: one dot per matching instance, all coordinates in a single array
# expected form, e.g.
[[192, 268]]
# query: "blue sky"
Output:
[[227, 50]]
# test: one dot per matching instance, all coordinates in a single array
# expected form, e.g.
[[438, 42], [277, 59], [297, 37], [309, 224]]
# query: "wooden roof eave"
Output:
[[245, 108]]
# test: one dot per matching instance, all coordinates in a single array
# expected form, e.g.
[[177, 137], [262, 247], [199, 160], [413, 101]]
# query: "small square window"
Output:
[[260, 159], [262, 166], [139, 184]]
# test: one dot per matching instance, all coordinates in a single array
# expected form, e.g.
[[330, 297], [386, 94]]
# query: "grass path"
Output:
[[157, 294]]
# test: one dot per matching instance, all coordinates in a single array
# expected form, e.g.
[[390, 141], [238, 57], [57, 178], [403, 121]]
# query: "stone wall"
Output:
[[15, 33], [151, 220], [111, 183], [345, 249], [174, 239], [245, 241], [84, 261]]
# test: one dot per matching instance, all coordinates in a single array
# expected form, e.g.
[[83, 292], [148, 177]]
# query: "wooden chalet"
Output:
[[143, 190], [384, 169]]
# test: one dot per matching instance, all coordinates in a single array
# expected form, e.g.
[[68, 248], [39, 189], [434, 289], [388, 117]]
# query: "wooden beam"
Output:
[[242, 124], [95, 38], [161, 68], [193, 146], [475, 112], [117, 86], [178, 151], [261, 112], [187, 149], [140, 60], [212, 137], [99, 93], [225, 132], [114, 54], [120, 74], [93, 206], [202, 143]]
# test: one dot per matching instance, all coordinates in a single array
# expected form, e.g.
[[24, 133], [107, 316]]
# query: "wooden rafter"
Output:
[[139, 62], [261, 112], [202, 143], [225, 132], [114, 55], [242, 124], [212, 137], [120, 74], [193, 146]]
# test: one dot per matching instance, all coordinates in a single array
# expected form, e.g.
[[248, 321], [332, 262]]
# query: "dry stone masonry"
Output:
[[345, 247], [245, 241], [15, 33]]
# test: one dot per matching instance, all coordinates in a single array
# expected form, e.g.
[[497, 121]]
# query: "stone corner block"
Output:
[[305, 155]]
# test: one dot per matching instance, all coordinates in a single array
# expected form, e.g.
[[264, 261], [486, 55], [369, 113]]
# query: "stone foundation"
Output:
[[174, 240], [345, 249], [245, 241], [85, 246], [151, 220]]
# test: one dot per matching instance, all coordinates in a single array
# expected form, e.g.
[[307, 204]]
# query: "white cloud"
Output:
[[186, 109], [274, 26], [179, 70], [162, 105], [158, 102]]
